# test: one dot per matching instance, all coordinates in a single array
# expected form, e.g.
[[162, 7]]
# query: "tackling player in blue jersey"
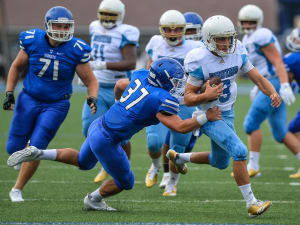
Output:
[[146, 101], [53, 57], [292, 62]]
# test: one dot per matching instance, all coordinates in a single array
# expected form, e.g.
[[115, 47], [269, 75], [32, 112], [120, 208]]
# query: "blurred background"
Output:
[[18, 15]]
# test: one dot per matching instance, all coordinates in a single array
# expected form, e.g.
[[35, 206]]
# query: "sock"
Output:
[[174, 178], [48, 154], [298, 155], [247, 194], [183, 158], [156, 163], [166, 167], [16, 189], [254, 160], [96, 196]]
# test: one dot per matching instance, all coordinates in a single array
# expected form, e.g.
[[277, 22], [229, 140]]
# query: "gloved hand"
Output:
[[98, 65], [92, 102], [253, 93], [286, 93], [9, 101]]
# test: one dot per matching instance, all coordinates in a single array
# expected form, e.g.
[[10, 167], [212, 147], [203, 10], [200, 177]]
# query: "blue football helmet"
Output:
[[293, 40], [194, 24], [165, 73], [59, 15]]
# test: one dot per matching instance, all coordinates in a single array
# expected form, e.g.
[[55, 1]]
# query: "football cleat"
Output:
[[91, 204], [164, 180], [102, 175], [258, 208], [295, 175], [151, 177], [171, 193], [15, 195], [173, 156], [251, 172], [30, 153]]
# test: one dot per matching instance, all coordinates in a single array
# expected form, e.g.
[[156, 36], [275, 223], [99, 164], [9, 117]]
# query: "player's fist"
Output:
[[276, 100], [213, 88], [214, 114], [9, 101], [92, 102]]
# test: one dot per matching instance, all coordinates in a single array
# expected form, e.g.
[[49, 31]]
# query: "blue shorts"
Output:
[[294, 125], [261, 109], [99, 146], [35, 121], [224, 141]]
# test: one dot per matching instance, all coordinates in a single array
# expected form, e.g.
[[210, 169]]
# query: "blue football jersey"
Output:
[[292, 61], [51, 69], [138, 107]]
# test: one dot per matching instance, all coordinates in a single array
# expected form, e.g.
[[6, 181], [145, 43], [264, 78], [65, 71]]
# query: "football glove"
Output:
[[253, 93], [92, 100], [286, 93], [98, 65], [9, 100]]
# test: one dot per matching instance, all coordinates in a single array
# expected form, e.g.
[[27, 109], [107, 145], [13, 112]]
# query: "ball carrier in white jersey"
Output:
[[265, 54], [223, 55], [114, 51]]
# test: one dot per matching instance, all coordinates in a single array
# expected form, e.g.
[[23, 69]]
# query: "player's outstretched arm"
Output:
[[265, 86], [120, 87], [175, 123], [16, 68], [87, 76]]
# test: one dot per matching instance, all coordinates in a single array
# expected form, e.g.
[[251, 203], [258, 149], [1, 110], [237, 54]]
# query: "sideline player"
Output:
[[53, 57]]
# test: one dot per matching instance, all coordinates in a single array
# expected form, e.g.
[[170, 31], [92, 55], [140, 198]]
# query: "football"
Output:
[[213, 81]]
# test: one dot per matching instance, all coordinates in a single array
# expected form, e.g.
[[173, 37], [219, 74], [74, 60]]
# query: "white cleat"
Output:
[[173, 156], [96, 205], [17, 167], [164, 180], [27, 154], [15, 195]]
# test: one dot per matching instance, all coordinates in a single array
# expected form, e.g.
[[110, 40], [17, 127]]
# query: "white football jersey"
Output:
[[201, 64], [106, 46], [253, 42], [157, 48]]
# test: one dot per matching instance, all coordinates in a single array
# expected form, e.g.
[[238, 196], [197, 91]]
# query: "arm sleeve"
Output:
[[169, 105]]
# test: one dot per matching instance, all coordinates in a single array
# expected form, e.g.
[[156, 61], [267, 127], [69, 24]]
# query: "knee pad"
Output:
[[154, 143], [127, 182], [279, 135], [220, 164], [240, 152], [250, 125], [85, 165]]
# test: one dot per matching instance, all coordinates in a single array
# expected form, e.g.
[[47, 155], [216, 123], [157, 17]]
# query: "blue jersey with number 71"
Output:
[[51, 69], [138, 107]]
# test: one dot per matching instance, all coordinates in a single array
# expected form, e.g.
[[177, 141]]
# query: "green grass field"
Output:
[[205, 195]]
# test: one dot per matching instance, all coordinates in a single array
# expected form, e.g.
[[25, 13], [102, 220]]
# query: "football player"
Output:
[[222, 55], [146, 101], [53, 57], [292, 61], [170, 43], [265, 54], [114, 52], [194, 24]]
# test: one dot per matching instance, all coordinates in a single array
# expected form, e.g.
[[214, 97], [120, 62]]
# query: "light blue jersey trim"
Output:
[[198, 73], [125, 41], [150, 52], [269, 64], [244, 59]]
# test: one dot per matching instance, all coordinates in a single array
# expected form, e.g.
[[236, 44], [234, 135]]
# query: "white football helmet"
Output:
[[250, 13], [293, 40], [111, 13], [172, 20], [219, 27]]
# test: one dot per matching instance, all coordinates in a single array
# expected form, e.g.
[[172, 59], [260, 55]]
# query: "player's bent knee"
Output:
[[279, 136], [127, 181], [154, 143], [85, 166], [240, 152], [250, 126]]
